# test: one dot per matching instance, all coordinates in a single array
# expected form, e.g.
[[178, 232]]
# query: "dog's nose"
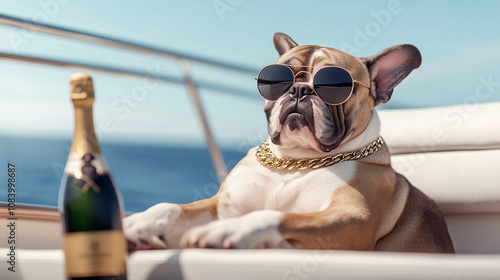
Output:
[[300, 90]]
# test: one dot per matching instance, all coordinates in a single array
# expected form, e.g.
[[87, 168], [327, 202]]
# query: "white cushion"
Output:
[[459, 181], [450, 153], [461, 127]]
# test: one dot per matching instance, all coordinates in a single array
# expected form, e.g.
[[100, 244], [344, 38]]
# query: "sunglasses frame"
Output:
[[314, 90]]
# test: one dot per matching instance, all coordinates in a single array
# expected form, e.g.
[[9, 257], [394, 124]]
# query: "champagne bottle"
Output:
[[90, 206]]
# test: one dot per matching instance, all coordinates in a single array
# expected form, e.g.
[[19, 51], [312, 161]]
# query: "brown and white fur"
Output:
[[355, 205]]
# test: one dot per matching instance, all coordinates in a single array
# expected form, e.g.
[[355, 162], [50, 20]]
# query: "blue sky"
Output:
[[458, 40]]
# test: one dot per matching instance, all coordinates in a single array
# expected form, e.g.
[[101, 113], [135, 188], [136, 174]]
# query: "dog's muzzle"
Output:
[[300, 107], [297, 107]]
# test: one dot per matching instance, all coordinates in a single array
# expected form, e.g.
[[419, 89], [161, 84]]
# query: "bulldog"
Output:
[[323, 179]]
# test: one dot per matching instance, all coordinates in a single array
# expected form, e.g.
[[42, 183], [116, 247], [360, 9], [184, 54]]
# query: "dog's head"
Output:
[[300, 118]]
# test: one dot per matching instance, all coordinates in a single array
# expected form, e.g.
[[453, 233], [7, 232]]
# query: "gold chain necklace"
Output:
[[267, 158]]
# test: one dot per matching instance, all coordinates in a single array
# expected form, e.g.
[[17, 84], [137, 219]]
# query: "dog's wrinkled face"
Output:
[[299, 118]]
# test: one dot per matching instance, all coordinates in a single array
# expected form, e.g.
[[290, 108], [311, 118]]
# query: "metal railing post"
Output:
[[215, 153]]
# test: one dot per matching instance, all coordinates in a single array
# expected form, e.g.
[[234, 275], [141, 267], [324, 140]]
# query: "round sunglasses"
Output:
[[333, 84]]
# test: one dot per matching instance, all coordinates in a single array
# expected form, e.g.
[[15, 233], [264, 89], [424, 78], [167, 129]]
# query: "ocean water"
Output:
[[145, 175]]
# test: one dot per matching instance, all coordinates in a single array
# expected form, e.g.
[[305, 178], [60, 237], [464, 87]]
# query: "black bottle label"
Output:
[[89, 164], [88, 175]]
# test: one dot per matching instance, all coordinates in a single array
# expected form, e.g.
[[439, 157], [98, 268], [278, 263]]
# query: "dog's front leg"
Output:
[[258, 229], [329, 230], [162, 225], [333, 228], [355, 220], [350, 223]]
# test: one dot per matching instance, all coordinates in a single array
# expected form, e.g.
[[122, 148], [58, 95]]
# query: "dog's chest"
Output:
[[255, 187]]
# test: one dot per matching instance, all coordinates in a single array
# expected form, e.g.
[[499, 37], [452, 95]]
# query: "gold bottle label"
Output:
[[95, 253]]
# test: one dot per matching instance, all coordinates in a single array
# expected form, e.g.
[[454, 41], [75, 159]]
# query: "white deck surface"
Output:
[[272, 264]]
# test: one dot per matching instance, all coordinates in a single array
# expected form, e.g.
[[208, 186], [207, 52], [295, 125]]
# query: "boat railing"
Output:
[[182, 58]]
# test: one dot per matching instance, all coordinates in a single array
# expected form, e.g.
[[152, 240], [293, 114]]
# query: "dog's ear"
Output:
[[389, 67], [283, 43]]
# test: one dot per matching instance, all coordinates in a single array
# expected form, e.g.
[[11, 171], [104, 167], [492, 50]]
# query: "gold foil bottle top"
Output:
[[82, 95], [82, 88]]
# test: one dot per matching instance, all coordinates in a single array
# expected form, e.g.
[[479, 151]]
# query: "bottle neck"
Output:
[[84, 138]]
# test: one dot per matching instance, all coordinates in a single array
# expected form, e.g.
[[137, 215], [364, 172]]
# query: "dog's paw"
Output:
[[150, 229], [252, 231]]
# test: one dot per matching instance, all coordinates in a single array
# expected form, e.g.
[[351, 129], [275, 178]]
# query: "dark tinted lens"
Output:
[[274, 80], [333, 85]]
